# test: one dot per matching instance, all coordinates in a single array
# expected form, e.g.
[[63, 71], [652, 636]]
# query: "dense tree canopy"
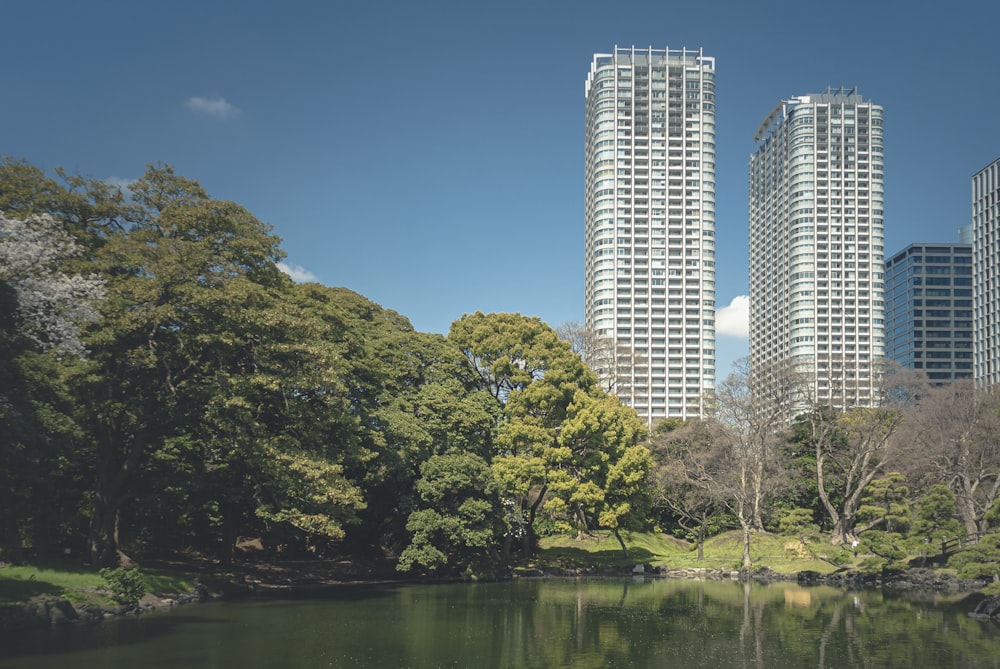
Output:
[[164, 386]]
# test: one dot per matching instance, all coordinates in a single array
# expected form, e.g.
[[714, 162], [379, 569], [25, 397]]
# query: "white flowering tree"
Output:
[[49, 304]]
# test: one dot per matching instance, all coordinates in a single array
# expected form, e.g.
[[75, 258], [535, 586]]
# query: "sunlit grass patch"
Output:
[[780, 553], [20, 583]]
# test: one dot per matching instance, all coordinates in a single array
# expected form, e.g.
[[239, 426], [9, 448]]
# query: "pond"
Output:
[[535, 623]]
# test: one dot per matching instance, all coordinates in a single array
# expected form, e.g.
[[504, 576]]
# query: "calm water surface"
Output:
[[535, 623]]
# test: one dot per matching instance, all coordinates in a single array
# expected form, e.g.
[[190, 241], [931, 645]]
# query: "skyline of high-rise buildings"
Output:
[[650, 227], [825, 298], [817, 244]]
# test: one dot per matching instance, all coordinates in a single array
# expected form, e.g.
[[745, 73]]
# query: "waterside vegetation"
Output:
[[169, 395]]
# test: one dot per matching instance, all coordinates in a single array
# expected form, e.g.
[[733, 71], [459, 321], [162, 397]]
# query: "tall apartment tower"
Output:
[[986, 274], [928, 312], [650, 227], [816, 244]]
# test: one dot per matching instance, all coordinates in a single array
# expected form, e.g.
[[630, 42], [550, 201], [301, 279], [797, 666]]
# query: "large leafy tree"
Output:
[[412, 396], [204, 346], [563, 445], [267, 431]]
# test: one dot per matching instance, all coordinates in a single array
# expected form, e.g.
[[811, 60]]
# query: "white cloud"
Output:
[[218, 107], [734, 319], [298, 273], [121, 182]]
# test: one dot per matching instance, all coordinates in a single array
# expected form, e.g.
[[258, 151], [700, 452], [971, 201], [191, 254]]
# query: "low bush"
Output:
[[126, 586]]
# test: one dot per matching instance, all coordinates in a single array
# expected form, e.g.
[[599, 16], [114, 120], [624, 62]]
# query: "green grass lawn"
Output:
[[20, 583], [723, 551]]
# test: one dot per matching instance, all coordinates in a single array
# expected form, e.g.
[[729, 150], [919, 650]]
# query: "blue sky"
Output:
[[429, 155]]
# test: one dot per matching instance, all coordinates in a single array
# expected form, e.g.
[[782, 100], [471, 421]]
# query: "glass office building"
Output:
[[928, 314]]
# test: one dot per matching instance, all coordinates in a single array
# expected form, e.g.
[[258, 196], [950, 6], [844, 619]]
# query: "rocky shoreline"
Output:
[[903, 579], [47, 611]]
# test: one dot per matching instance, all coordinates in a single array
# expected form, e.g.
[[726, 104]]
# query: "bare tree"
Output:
[[752, 417], [679, 478], [953, 438], [615, 364], [854, 445]]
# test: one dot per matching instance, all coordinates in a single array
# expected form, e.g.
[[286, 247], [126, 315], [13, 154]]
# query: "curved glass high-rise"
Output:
[[650, 227], [817, 244]]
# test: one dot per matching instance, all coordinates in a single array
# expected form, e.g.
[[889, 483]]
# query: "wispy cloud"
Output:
[[121, 182], [734, 319], [220, 108], [298, 273]]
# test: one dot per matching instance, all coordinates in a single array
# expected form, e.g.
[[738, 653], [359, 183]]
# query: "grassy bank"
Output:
[[20, 583], [724, 551], [597, 552]]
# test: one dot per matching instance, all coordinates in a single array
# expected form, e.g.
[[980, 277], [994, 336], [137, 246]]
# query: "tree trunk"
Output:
[[528, 541], [113, 478], [967, 513], [10, 532], [842, 533], [582, 530], [103, 539], [232, 521], [701, 541], [621, 542], [757, 481]]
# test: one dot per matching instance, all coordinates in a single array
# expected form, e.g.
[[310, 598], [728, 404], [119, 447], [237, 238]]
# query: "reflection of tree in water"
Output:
[[611, 623]]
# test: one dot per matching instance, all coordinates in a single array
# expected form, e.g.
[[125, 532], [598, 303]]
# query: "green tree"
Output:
[[193, 305], [980, 560], [43, 305], [935, 515], [456, 528], [273, 430], [412, 395], [599, 469], [883, 516], [562, 442], [885, 505]]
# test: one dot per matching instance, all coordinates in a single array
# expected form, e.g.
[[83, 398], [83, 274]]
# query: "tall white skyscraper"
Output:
[[816, 244], [650, 227], [986, 275]]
